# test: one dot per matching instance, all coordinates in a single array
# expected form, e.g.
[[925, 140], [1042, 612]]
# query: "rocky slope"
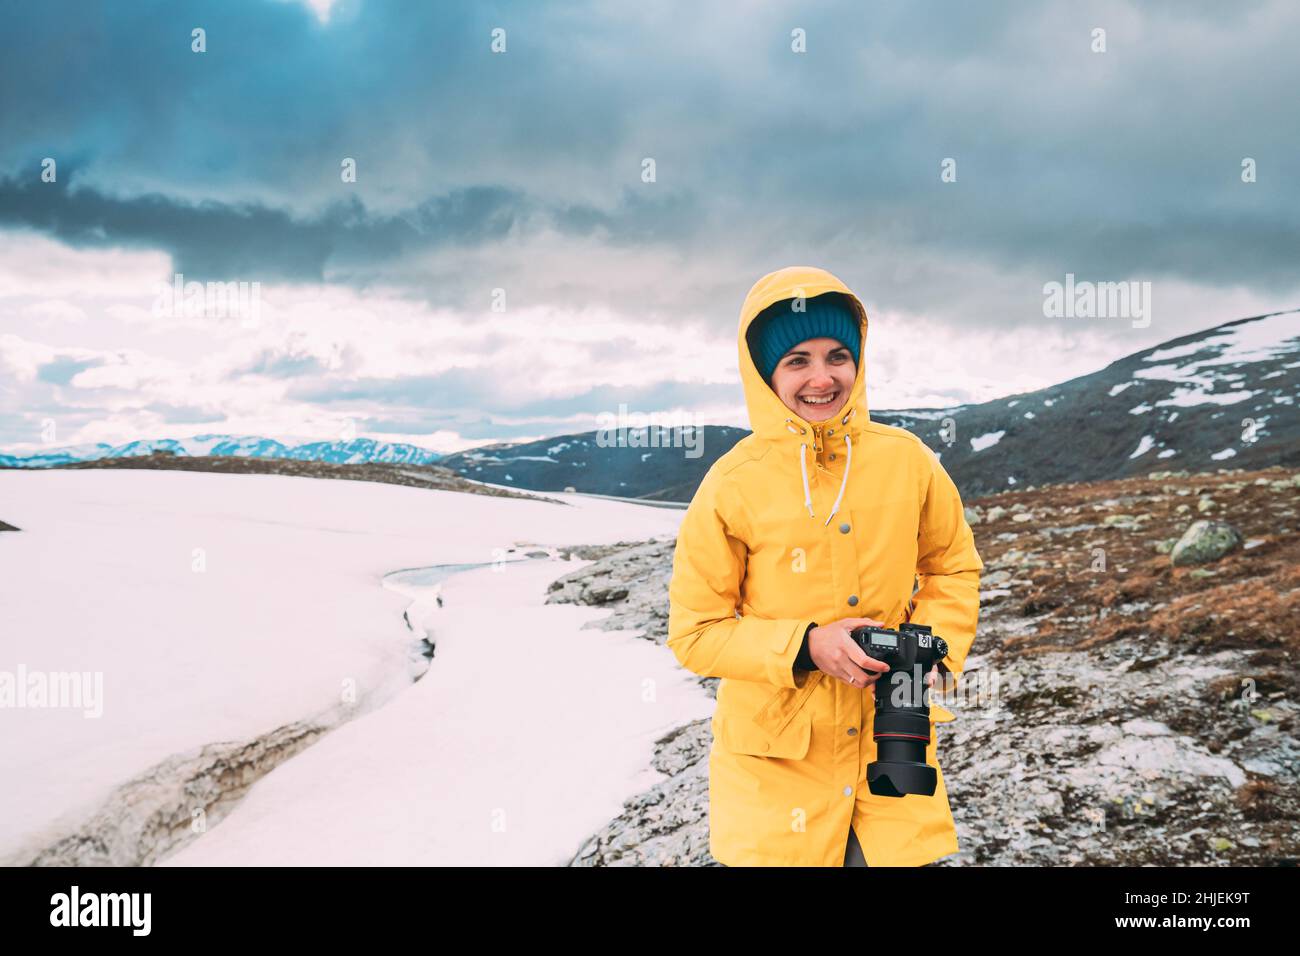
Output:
[[1118, 708]]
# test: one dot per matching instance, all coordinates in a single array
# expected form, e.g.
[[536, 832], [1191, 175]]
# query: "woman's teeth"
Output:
[[824, 400]]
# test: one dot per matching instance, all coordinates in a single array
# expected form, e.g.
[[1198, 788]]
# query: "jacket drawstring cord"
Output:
[[848, 460], [803, 469]]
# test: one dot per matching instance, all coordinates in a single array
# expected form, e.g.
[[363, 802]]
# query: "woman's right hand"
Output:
[[837, 654]]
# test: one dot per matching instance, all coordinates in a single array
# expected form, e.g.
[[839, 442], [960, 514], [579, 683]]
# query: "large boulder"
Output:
[[1204, 541]]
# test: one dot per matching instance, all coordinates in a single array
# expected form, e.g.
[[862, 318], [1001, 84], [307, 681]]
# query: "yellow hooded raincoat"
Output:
[[807, 522]]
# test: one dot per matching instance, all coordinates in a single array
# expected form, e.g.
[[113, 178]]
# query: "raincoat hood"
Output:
[[769, 417]]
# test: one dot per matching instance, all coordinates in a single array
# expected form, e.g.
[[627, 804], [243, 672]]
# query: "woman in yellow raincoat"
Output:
[[819, 521]]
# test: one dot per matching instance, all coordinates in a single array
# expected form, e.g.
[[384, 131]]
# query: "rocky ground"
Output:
[[1131, 696]]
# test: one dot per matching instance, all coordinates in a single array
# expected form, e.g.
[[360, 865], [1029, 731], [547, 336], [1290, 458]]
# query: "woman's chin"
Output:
[[813, 413]]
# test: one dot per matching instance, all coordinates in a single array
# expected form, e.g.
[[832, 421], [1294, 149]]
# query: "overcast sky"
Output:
[[522, 171]]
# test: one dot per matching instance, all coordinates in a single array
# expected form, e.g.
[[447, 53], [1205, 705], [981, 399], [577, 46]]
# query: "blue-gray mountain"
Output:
[[356, 451]]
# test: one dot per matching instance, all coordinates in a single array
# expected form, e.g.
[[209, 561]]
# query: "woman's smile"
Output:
[[814, 378]]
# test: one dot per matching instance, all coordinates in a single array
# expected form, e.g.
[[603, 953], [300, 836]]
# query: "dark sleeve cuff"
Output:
[[804, 661]]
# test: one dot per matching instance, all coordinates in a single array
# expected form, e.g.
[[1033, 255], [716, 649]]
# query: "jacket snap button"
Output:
[[767, 747], [832, 456], [848, 791], [853, 731], [830, 431], [853, 600], [844, 528]]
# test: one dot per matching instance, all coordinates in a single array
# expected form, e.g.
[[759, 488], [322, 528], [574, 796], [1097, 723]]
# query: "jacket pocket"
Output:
[[741, 735]]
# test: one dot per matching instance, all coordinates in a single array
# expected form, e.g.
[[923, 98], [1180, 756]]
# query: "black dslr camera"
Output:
[[902, 721]]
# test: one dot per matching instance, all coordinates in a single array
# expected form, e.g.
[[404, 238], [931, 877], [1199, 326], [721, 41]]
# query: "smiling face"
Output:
[[810, 373]]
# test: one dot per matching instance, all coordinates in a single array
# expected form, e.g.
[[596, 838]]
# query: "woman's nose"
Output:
[[821, 378]]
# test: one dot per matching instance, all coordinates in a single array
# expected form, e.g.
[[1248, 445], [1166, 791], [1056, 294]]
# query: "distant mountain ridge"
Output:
[[655, 462], [356, 451]]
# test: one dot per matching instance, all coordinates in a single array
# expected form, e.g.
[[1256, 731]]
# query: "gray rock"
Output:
[[1204, 541]]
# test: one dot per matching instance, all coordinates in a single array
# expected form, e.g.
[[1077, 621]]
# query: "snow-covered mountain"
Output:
[[358, 450], [1222, 398]]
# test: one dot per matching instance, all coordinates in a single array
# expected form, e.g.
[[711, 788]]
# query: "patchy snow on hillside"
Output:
[[1144, 446], [1239, 344], [1252, 341], [987, 440]]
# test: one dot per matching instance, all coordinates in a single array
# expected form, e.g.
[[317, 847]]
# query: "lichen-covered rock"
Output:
[[1204, 541]]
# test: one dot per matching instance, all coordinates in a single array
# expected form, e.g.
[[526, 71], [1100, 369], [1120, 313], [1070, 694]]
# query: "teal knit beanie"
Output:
[[778, 329]]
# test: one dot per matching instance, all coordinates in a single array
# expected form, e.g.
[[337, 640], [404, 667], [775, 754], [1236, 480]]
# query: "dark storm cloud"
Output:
[[1112, 165], [215, 241], [211, 240]]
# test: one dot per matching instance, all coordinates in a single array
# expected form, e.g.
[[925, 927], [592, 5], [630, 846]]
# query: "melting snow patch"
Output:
[[1226, 453], [1011, 479], [1167, 453], [1139, 409], [1119, 388], [1261, 338], [1186, 397], [1180, 351], [987, 440], [1029, 414], [930, 416], [1144, 446]]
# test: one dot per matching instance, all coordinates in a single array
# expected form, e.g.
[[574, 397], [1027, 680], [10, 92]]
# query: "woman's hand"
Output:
[[837, 654]]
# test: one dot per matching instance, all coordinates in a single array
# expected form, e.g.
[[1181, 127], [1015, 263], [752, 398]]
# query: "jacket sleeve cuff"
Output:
[[786, 649], [804, 661]]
